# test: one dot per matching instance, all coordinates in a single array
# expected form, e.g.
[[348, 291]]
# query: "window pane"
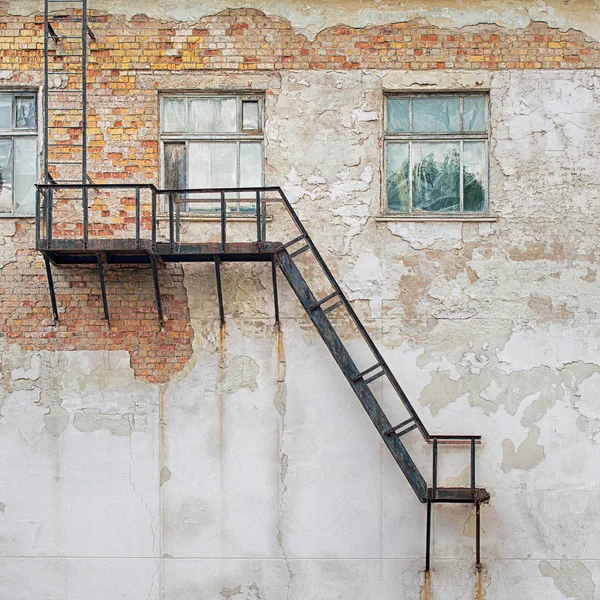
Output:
[[398, 166], [397, 114], [174, 115], [212, 164], [251, 170], [474, 164], [436, 115], [250, 115], [436, 176], [213, 115], [5, 111], [474, 113], [25, 113], [25, 174], [6, 175]]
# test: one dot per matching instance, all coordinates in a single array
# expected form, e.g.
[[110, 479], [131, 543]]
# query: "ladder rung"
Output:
[[292, 242], [303, 249], [68, 37], [66, 127], [62, 162], [399, 426], [361, 375], [66, 145], [407, 430], [64, 90], [65, 72], [326, 299], [374, 377], [332, 307]]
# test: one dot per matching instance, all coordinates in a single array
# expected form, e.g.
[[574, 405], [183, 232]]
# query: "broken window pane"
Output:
[[6, 175], [5, 111], [25, 174], [25, 110], [174, 115], [397, 114], [213, 115], [436, 115], [175, 168], [398, 186], [474, 165], [436, 176], [474, 113], [250, 115]]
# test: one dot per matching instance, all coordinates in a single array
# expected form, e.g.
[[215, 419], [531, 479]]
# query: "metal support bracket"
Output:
[[100, 260], [159, 308], [219, 289], [275, 293], [51, 287]]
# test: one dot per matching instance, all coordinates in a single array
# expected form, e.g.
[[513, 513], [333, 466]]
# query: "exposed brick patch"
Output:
[[25, 316], [247, 39]]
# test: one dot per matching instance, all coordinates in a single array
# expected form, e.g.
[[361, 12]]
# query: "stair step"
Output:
[[459, 495], [393, 430], [332, 307], [324, 300], [300, 251], [366, 372]]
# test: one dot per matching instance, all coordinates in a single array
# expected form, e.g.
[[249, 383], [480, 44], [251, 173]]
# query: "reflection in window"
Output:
[[436, 154], [213, 142], [18, 153]]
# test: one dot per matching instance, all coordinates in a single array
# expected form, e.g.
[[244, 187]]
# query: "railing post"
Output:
[[84, 202], [473, 464], [223, 221], [37, 217], [178, 219], [153, 220], [171, 223], [137, 217], [263, 213], [435, 467], [258, 221], [49, 217]]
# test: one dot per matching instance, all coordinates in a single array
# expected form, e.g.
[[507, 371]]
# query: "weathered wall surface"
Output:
[[208, 463]]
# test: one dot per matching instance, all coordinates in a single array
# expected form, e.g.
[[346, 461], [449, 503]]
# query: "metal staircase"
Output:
[[72, 242], [284, 255]]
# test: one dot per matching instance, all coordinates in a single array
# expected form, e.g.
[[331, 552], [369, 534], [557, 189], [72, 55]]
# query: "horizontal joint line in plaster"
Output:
[[296, 558]]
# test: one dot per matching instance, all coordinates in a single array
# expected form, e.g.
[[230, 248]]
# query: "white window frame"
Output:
[[13, 133], [410, 137], [238, 137]]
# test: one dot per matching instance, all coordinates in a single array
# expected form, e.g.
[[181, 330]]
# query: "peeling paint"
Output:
[[241, 372], [528, 455], [571, 578]]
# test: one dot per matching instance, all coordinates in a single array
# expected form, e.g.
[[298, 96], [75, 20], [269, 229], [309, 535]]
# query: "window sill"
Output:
[[441, 218], [15, 216], [214, 218]]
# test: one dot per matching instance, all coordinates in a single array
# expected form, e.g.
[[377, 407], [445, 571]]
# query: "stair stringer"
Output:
[[350, 370]]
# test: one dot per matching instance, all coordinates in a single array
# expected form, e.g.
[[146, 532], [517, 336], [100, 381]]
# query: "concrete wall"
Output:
[[238, 464]]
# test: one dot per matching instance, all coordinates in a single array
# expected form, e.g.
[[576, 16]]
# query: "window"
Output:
[[436, 153], [212, 141], [18, 152]]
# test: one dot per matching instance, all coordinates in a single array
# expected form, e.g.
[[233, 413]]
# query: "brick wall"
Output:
[[123, 145]]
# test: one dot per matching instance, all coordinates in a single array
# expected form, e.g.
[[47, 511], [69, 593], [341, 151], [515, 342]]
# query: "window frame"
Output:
[[455, 136], [14, 132], [238, 137]]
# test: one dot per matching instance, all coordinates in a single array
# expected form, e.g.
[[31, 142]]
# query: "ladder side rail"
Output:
[[349, 369]]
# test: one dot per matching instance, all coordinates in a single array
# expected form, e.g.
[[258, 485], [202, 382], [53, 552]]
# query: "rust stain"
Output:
[[479, 589], [426, 588]]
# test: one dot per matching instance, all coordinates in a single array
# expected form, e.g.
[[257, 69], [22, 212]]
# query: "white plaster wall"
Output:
[[254, 473]]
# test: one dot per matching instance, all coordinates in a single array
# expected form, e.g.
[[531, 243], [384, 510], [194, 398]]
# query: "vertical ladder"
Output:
[[66, 33]]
